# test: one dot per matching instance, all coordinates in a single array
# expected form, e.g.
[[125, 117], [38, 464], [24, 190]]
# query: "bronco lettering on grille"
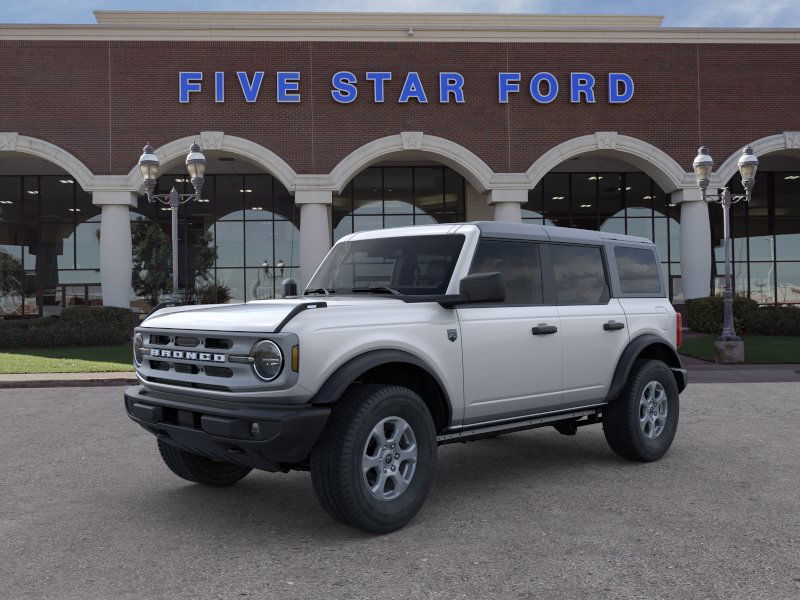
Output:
[[182, 354]]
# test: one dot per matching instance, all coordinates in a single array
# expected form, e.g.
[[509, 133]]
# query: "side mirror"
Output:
[[289, 287], [479, 288]]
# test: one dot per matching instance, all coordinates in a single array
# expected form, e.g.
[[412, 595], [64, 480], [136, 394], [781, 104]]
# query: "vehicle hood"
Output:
[[261, 316]]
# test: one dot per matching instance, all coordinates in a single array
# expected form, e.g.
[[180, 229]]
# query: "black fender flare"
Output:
[[633, 350], [347, 373]]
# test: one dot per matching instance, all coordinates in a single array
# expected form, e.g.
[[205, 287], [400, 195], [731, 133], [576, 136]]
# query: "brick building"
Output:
[[316, 125]]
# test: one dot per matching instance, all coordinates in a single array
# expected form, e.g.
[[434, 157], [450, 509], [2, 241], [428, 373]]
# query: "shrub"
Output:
[[77, 326], [705, 315], [214, 293]]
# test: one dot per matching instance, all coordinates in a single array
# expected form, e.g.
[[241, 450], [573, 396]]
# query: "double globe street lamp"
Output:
[[196, 165], [728, 348]]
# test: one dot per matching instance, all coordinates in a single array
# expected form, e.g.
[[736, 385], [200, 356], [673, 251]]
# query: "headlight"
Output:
[[268, 360], [138, 342]]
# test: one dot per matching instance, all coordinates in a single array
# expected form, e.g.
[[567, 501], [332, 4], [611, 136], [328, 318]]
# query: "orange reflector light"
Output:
[[295, 358]]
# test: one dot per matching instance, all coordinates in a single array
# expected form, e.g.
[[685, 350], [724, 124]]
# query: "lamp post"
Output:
[[196, 165], [728, 347]]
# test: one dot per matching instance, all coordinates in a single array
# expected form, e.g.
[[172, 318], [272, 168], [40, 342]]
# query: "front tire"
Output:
[[375, 462], [641, 423], [199, 469]]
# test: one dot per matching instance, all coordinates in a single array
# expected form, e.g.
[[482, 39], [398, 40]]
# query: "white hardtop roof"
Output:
[[504, 230]]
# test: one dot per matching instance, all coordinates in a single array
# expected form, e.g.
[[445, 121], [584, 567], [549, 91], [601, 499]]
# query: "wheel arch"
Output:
[[393, 367], [646, 346]]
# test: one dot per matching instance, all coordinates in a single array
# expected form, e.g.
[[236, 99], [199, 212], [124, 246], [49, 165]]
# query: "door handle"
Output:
[[544, 329], [613, 325]]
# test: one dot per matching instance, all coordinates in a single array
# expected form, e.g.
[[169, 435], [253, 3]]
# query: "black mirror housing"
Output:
[[479, 288], [289, 287]]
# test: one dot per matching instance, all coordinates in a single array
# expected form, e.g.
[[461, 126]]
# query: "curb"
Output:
[[50, 382]]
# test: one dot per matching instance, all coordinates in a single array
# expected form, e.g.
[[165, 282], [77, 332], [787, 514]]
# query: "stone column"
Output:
[[115, 246], [508, 204], [315, 231], [695, 243]]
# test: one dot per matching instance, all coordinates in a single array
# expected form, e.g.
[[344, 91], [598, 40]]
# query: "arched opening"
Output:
[[49, 238], [235, 245], [765, 233], [398, 193], [408, 179], [601, 192]]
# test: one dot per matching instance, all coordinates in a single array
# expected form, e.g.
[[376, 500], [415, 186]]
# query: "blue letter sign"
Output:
[[188, 81], [536, 88], [615, 80], [412, 88], [344, 91], [507, 83], [288, 86], [250, 90], [378, 77], [451, 83]]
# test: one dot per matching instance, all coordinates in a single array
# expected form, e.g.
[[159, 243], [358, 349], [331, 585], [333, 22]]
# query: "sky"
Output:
[[678, 13]]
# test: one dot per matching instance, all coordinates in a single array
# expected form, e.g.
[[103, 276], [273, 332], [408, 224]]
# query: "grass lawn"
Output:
[[758, 349], [92, 359]]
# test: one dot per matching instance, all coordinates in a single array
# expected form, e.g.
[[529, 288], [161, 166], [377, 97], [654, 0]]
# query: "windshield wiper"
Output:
[[321, 290], [376, 289]]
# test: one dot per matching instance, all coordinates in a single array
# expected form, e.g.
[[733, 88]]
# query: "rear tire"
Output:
[[199, 469], [375, 461], [641, 423]]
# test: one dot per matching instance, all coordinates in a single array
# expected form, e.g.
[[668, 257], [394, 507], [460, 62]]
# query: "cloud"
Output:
[[678, 13]]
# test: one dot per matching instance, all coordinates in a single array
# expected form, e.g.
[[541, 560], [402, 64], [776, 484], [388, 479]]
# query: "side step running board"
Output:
[[593, 415]]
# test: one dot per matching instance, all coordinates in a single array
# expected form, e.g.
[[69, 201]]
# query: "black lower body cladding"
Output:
[[264, 437]]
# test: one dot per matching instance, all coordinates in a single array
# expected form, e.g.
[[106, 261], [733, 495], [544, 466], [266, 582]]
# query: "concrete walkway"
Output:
[[47, 380], [700, 371]]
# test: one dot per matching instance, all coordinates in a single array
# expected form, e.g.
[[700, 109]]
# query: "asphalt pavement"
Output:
[[88, 510]]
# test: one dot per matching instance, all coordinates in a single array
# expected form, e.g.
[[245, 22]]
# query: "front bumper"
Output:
[[285, 434]]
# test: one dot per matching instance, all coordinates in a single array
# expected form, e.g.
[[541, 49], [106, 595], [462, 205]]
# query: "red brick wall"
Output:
[[102, 101]]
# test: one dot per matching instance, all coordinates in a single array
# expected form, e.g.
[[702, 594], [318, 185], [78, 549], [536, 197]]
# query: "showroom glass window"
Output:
[[383, 197], [238, 244], [765, 240], [630, 203], [49, 245]]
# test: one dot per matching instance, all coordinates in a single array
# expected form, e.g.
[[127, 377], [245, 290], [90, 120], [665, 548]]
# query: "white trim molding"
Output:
[[220, 141], [414, 143], [656, 163], [787, 142], [11, 141]]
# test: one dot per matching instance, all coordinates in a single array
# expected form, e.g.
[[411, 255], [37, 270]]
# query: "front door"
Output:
[[512, 351]]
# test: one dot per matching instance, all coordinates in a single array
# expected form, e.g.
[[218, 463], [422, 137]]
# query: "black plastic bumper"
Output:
[[681, 378], [261, 436]]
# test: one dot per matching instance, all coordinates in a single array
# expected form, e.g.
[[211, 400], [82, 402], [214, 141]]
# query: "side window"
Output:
[[579, 274], [519, 264], [638, 271]]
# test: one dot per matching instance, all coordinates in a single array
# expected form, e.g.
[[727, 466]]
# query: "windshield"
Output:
[[405, 265]]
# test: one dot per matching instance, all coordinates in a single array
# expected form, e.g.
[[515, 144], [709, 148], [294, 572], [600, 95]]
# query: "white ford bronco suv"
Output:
[[406, 339]]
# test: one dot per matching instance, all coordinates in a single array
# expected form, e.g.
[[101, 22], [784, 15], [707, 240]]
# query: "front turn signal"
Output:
[[295, 358]]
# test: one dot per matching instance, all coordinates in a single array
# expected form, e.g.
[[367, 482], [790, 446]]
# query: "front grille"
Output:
[[189, 384], [189, 359], [218, 344], [186, 368], [218, 371]]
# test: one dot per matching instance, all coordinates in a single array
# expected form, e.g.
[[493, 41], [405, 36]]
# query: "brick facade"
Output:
[[101, 100]]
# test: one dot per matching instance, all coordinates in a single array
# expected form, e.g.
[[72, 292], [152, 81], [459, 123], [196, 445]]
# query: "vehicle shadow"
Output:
[[285, 506]]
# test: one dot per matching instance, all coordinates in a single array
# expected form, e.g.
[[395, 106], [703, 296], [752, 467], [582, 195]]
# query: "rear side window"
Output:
[[519, 264], [579, 274], [638, 271]]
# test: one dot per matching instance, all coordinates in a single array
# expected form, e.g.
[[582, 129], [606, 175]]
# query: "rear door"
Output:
[[512, 351], [594, 325]]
